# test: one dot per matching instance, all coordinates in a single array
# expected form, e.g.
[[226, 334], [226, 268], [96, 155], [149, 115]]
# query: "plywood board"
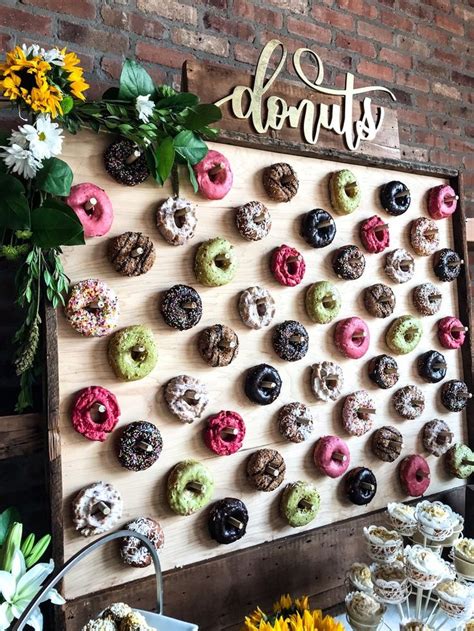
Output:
[[83, 362]]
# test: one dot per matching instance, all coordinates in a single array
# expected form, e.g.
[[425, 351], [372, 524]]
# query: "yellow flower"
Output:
[[75, 74], [303, 619], [285, 602]]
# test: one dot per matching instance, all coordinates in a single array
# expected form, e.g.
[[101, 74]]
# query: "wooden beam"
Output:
[[470, 229], [21, 435]]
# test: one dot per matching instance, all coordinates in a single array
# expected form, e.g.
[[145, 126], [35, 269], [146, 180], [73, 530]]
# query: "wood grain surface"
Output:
[[83, 362]]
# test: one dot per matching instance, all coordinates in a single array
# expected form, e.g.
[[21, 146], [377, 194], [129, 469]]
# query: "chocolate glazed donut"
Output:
[[318, 228], [227, 521], [361, 486], [390, 200], [262, 384]]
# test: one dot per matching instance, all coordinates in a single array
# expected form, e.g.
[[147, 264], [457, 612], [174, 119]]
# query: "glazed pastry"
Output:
[[96, 509], [387, 443], [299, 503], [126, 163], [399, 265], [215, 263], [437, 437], [95, 413], [442, 201], [218, 345], [266, 469], [287, 266], [322, 301], [432, 366], [332, 456], [92, 308], [327, 381], [460, 461], [224, 433], [455, 395], [352, 337], [181, 307], [132, 352], [357, 413], [132, 550], [190, 487], [92, 207], [379, 300], [256, 307], [395, 198], [290, 340], [374, 234], [451, 332], [447, 264], [253, 221], [318, 228], [280, 182], [187, 398], [414, 473], [131, 253], [262, 384], [344, 192], [140, 445], [383, 371], [427, 299], [295, 422], [409, 402], [227, 521], [214, 175], [176, 220], [348, 262], [424, 236], [360, 485], [404, 334]]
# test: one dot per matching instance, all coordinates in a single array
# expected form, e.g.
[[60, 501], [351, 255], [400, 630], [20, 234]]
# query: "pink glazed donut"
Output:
[[414, 473], [93, 208], [108, 413], [352, 337], [449, 338], [438, 206], [288, 266], [373, 236], [332, 456], [225, 433], [214, 175]]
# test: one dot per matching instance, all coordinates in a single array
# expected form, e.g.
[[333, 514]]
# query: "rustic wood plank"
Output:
[[470, 229], [21, 435]]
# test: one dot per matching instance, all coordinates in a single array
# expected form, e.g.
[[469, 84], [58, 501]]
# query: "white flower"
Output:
[[21, 161], [44, 137], [33, 50], [54, 56], [20, 586], [144, 107]]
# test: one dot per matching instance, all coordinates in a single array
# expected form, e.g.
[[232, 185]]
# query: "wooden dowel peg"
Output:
[[391, 371], [366, 411], [380, 228], [418, 402], [90, 204], [431, 233], [459, 329], [395, 443], [235, 522], [422, 475], [268, 384], [455, 263], [305, 504], [359, 335], [402, 194], [324, 224], [466, 395], [351, 186], [259, 218], [297, 338], [138, 349], [468, 462], [368, 486], [222, 258], [272, 471], [191, 396], [286, 179], [384, 300], [439, 366], [190, 305], [99, 407], [195, 486], [144, 446], [434, 297], [405, 264], [223, 344], [230, 431], [337, 455], [101, 507], [216, 169], [98, 304], [304, 420], [180, 212], [445, 434], [133, 157], [451, 198], [328, 304], [332, 379], [136, 252]]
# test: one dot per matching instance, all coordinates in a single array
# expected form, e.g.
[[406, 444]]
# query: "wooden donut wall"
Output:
[[83, 361]]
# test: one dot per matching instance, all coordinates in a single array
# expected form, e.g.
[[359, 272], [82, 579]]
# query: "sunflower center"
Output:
[[27, 79]]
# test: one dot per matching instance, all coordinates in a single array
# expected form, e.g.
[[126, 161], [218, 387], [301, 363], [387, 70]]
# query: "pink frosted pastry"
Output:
[[288, 266], [442, 201], [224, 433], [332, 456], [357, 413], [214, 175], [92, 308], [352, 337], [374, 234], [95, 413], [414, 473], [451, 332], [93, 208]]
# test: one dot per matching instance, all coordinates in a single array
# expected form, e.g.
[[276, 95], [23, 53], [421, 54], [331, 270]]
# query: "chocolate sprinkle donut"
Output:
[[266, 469], [290, 340], [218, 345], [383, 371], [223, 518], [427, 299], [390, 201], [409, 402], [432, 366], [262, 384], [115, 162], [314, 232], [181, 307], [454, 395], [140, 445], [131, 253], [348, 262], [379, 300], [253, 221], [387, 443], [437, 437], [295, 422], [280, 182], [447, 264]]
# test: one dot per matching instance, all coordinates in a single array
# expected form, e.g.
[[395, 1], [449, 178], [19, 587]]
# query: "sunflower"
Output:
[[291, 615], [75, 74]]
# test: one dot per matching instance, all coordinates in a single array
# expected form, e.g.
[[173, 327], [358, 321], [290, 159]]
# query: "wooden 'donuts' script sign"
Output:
[[260, 107]]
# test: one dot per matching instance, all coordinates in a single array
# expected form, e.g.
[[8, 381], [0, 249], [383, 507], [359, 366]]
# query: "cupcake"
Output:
[[363, 611], [360, 577], [414, 625], [382, 544], [464, 557], [435, 520], [402, 518], [424, 567], [456, 598], [390, 582]]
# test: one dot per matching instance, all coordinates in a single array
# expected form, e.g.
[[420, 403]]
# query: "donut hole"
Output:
[[228, 434], [97, 412], [261, 308], [456, 335], [292, 266], [358, 337], [191, 397], [138, 353], [217, 173], [222, 261], [94, 306], [179, 217], [410, 336], [101, 510]]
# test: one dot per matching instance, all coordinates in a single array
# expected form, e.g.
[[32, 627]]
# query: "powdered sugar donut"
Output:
[[424, 236], [442, 201], [332, 456], [214, 175], [374, 234], [93, 208], [95, 413], [414, 473], [352, 337], [132, 550], [451, 332], [92, 308], [357, 413], [225, 433], [96, 508], [288, 266]]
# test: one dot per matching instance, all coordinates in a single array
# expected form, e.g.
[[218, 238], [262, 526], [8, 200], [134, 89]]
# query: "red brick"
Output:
[[463, 79], [412, 45], [91, 37], [380, 34], [333, 18], [247, 54], [218, 4], [403, 97], [378, 71], [291, 6], [413, 81], [463, 13], [442, 5], [132, 22], [160, 55], [360, 7], [416, 9], [395, 58], [445, 56], [258, 15], [395, 20], [414, 117], [170, 9], [79, 8], [25, 21], [446, 124], [207, 43], [235, 28], [432, 35], [460, 146], [157, 74], [7, 41], [112, 66], [355, 45], [448, 91], [461, 46], [432, 70], [449, 23], [290, 43], [309, 31], [425, 137], [444, 158]]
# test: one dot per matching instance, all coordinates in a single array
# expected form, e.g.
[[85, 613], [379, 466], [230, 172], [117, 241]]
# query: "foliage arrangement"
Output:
[[47, 88], [291, 615]]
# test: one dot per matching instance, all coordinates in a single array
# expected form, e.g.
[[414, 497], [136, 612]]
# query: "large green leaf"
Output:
[[55, 177], [164, 155], [191, 148], [192, 177], [56, 224], [178, 101], [14, 209], [201, 115], [134, 81], [7, 518]]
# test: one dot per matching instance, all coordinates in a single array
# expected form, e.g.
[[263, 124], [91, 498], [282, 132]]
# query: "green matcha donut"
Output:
[[292, 507], [183, 498], [323, 302], [404, 334], [215, 263], [132, 352], [344, 198], [458, 461]]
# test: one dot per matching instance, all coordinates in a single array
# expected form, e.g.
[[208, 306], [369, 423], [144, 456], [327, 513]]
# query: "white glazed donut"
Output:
[[354, 418], [96, 509]]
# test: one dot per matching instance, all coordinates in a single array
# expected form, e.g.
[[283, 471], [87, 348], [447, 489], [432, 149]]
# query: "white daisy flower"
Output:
[[33, 50], [21, 161], [44, 137], [144, 107], [54, 56]]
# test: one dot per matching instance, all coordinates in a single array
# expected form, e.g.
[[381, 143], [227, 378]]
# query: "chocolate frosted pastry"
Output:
[[437, 437], [227, 521], [218, 345], [383, 370], [348, 262], [432, 366], [181, 307], [290, 340], [447, 264], [409, 402], [455, 395], [262, 384], [253, 221], [126, 163], [295, 422], [266, 469], [280, 182], [361, 485], [187, 398], [131, 253], [318, 228], [140, 445], [379, 300], [132, 550], [395, 197], [427, 299], [387, 443], [176, 220]]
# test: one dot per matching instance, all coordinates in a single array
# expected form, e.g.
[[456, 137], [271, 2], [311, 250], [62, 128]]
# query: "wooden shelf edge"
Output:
[[470, 229], [21, 435]]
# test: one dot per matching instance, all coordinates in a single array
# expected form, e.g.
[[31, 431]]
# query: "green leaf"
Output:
[[165, 90], [192, 177], [7, 518], [164, 156], [14, 209], [56, 224], [134, 81], [201, 115], [55, 177], [178, 101], [191, 148]]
